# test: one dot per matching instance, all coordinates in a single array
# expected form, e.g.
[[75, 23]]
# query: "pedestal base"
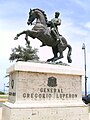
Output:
[[45, 111], [41, 91]]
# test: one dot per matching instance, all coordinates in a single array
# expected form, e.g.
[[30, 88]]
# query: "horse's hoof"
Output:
[[16, 38], [70, 61], [28, 42], [48, 60]]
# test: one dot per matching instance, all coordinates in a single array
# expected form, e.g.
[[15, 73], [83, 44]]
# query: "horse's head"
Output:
[[32, 17], [39, 15]]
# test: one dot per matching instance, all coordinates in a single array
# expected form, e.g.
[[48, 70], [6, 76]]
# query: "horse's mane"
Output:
[[43, 13]]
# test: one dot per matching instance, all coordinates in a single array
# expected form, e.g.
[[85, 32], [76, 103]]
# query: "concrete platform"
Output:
[[42, 91], [1, 114]]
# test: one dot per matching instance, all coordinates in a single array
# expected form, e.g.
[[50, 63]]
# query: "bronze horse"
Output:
[[42, 32]]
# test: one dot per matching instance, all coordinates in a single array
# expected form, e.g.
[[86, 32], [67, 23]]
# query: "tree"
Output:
[[24, 54]]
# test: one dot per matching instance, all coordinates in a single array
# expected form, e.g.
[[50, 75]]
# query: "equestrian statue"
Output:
[[47, 32]]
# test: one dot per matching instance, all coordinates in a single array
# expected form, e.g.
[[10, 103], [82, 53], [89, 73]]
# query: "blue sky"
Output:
[[75, 28]]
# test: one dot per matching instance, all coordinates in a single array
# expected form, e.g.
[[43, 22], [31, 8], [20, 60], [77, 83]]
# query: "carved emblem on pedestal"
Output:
[[52, 82]]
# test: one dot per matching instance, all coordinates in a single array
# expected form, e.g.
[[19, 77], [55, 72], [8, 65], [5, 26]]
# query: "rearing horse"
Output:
[[42, 32]]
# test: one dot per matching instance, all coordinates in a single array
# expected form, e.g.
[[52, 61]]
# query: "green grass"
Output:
[[3, 96]]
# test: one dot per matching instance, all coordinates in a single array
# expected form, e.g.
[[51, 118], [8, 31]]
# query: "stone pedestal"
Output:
[[41, 91]]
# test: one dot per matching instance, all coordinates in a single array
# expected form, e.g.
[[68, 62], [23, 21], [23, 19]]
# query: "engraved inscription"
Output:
[[12, 94], [49, 93]]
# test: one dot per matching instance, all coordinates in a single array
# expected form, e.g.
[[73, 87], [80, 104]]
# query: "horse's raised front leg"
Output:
[[26, 37], [23, 32]]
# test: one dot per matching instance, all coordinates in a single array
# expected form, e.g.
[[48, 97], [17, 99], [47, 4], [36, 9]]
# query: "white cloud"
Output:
[[87, 25], [69, 26], [83, 4]]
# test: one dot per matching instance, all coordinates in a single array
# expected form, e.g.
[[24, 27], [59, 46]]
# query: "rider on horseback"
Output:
[[49, 37], [54, 29]]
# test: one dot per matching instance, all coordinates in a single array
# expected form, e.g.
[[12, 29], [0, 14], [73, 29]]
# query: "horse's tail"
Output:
[[69, 54]]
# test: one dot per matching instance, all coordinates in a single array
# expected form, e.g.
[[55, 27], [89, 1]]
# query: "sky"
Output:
[[75, 27]]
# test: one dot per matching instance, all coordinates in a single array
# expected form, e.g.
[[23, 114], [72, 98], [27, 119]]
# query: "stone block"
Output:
[[44, 92]]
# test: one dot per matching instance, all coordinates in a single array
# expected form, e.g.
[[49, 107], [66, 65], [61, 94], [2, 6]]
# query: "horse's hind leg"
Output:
[[55, 51], [61, 55]]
